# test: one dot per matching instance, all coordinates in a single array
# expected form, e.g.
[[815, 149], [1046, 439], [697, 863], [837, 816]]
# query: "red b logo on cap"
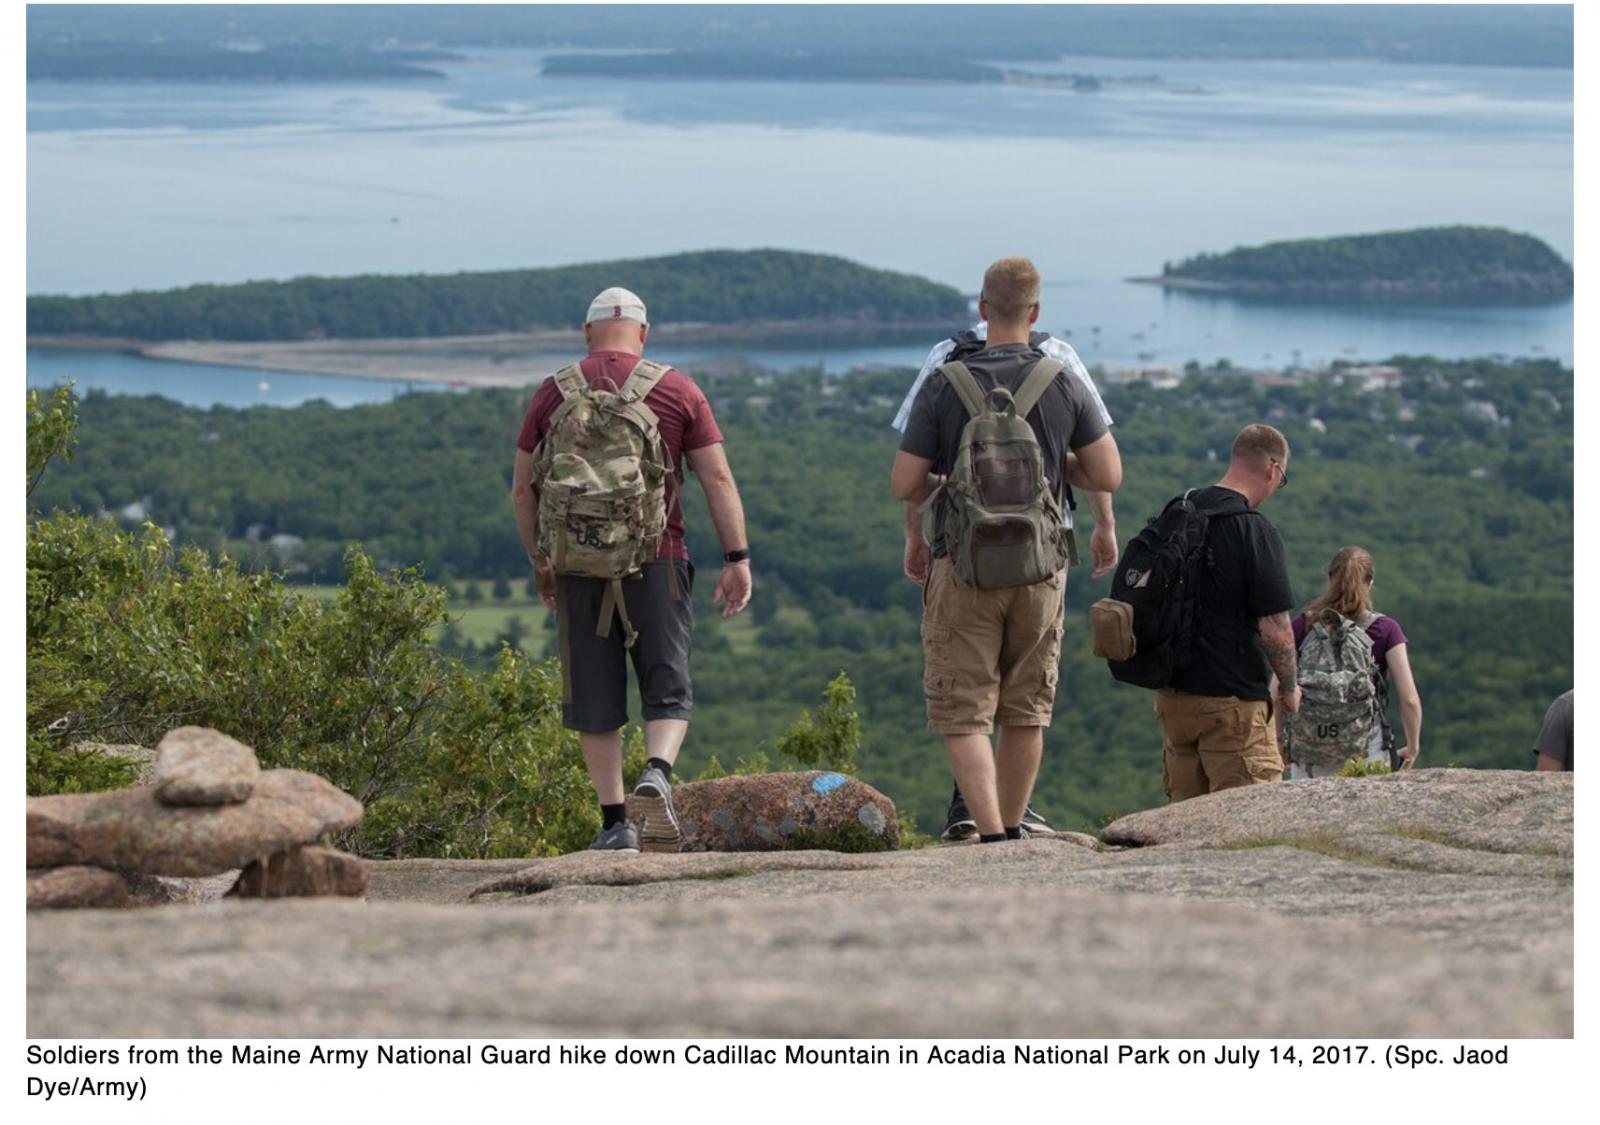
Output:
[[616, 312]]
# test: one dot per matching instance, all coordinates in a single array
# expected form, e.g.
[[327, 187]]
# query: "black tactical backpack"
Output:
[[1146, 629]]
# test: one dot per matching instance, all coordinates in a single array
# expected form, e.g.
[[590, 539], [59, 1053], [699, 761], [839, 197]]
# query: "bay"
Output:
[[157, 185]]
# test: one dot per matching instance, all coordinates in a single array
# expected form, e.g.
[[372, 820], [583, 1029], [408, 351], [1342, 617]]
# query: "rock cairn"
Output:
[[208, 810]]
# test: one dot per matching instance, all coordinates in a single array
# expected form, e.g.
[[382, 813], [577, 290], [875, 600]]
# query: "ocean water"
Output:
[[157, 185]]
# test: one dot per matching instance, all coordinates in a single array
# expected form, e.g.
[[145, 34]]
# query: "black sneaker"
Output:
[[1035, 825], [619, 837], [958, 822]]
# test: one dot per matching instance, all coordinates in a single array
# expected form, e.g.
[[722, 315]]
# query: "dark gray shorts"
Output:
[[595, 667]]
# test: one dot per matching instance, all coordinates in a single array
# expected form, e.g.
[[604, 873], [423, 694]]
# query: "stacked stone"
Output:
[[208, 810]]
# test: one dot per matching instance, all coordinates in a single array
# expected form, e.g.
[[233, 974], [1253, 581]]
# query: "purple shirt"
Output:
[[1385, 633]]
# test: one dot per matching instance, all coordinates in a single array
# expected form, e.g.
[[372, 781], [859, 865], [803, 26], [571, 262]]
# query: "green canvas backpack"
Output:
[[1002, 526], [601, 474]]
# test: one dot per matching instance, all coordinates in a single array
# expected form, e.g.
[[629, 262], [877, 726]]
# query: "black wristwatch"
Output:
[[741, 555]]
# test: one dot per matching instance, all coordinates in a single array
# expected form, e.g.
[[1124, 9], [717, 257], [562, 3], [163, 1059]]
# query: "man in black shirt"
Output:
[[991, 656], [1216, 719]]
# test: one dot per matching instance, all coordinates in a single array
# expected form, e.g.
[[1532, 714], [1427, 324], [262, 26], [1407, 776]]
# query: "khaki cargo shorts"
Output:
[[1210, 743], [989, 656]]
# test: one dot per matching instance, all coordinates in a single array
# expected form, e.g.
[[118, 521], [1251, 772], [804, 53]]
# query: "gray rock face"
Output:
[[75, 886], [1250, 938], [201, 766], [158, 890], [772, 811], [129, 830], [1488, 810], [303, 872]]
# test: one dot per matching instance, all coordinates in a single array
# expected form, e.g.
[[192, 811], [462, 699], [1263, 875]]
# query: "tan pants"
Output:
[[989, 656], [1210, 743]]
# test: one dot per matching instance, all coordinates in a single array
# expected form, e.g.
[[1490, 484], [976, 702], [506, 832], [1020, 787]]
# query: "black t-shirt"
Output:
[[1247, 579], [1064, 418]]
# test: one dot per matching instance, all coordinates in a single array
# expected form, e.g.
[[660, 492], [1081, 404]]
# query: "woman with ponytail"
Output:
[[1349, 594]]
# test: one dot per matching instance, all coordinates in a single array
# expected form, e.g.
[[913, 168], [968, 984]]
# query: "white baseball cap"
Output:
[[616, 303]]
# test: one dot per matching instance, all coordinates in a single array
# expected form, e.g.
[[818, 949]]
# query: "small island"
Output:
[[1469, 262], [751, 291]]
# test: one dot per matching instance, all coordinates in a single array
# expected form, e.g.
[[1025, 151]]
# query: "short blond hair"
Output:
[[1010, 286], [1259, 443]]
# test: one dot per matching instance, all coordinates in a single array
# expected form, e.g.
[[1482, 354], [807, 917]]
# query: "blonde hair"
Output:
[[1259, 443], [1010, 286], [1349, 589]]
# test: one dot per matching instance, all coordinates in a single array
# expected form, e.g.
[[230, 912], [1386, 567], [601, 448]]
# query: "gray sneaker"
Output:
[[1035, 825], [652, 802], [618, 838]]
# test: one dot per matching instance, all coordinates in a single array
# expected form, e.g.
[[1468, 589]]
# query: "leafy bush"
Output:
[[831, 739], [1361, 767], [128, 638]]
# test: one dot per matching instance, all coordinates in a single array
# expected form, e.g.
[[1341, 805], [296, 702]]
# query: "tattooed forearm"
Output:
[[1277, 638]]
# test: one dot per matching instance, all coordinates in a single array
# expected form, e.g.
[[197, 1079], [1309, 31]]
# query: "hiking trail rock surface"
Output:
[[1237, 916]]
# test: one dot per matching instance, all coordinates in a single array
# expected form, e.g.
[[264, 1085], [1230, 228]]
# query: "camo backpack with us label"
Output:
[[602, 474], [1340, 710]]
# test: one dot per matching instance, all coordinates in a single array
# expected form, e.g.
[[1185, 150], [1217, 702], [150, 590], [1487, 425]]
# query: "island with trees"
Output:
[[1468, 262], [720, 287]]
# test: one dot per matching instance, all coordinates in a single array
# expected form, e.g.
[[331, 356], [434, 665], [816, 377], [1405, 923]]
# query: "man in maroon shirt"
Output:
[[615, 331]]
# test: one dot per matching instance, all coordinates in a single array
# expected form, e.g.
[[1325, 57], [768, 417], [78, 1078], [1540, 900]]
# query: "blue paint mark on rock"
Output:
[[828, 782]]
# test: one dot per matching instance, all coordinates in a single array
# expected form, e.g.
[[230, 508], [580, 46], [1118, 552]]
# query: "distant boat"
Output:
[[263, 386]]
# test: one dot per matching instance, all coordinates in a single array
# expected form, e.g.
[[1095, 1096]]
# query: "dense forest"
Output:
[[1459, 259], [716, 286], [1502, 35], [1458, 478]]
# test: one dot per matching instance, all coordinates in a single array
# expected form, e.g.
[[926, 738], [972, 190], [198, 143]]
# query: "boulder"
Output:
[[129, 830], [303, 873], [775, 811], [201, 766], [77, 885], [1490, 810]]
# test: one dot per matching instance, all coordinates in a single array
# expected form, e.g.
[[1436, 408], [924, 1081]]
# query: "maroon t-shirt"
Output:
[[679, 405], [1385, 632]]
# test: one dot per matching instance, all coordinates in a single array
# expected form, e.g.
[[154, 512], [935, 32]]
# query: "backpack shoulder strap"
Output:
[[570, 381], [1040, 376], [642, 379], [639, 383], [965, 386]]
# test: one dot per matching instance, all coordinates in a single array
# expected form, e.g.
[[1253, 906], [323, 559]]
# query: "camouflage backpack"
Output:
[[601, 474], [1003, 526], [1339, 706]]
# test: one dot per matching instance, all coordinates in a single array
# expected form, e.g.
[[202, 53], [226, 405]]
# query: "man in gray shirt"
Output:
[[1554, 744], [992, 656]]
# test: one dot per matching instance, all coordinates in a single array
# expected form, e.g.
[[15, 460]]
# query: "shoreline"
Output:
[[507, 359], [1527, 288]]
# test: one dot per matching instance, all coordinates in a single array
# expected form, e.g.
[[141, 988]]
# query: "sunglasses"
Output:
[[1283, 474]]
